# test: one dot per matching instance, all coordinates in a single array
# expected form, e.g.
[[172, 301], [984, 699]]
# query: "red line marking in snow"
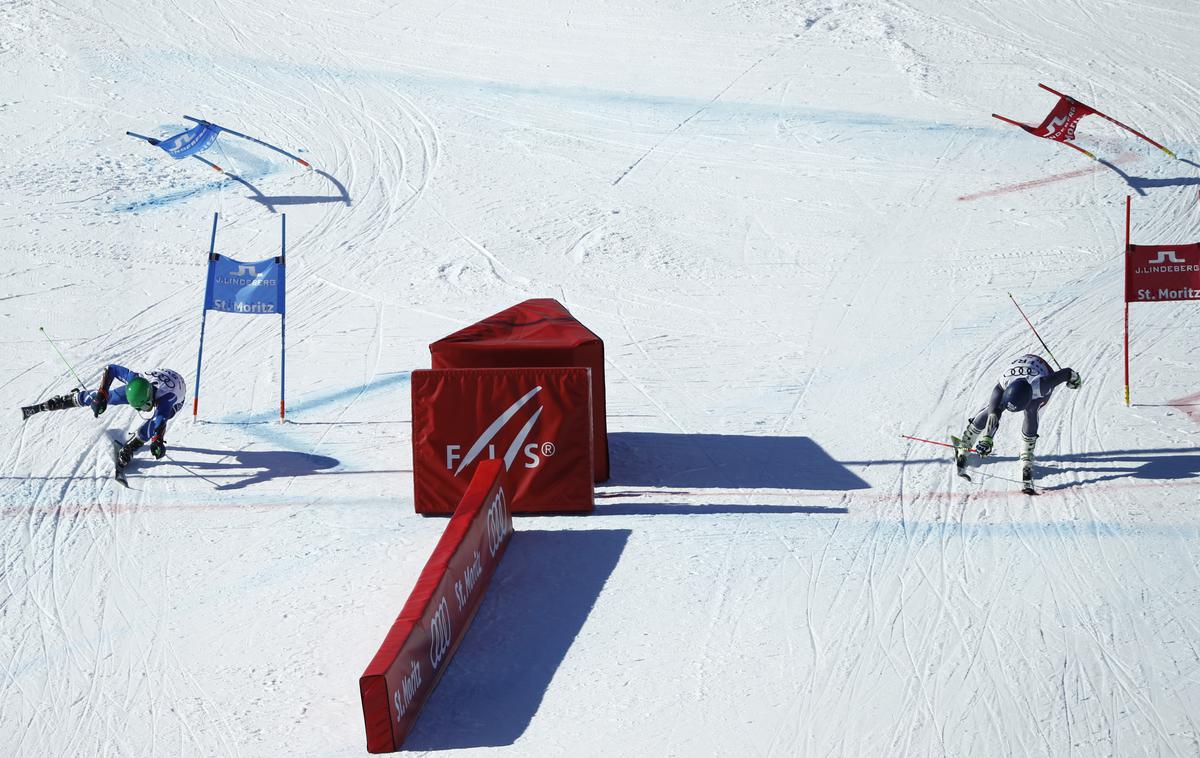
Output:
[[1189, 404], [114, 509], [1126, 158]]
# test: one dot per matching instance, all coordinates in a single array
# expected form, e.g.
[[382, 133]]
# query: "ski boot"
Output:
[[963, 445], [1027, 446], [126, 453], [58, 403]]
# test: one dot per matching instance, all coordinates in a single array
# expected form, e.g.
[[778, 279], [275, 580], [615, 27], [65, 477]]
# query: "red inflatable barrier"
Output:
[[536, 421], [425, 635], [530, 334]]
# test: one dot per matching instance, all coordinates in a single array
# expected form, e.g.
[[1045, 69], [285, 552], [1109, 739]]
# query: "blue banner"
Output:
[[190, 142], [238, 287]]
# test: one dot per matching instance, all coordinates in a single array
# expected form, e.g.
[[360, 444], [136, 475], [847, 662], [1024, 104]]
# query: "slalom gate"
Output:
[[1157, 274], [434, 620]]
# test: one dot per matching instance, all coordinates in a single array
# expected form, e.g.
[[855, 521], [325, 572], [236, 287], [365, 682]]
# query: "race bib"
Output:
[[168, 384]]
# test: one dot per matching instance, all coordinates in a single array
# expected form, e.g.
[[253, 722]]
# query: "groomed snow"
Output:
[[794, 224]]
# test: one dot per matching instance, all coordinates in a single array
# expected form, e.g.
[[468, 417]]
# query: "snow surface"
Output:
[[794, 224]]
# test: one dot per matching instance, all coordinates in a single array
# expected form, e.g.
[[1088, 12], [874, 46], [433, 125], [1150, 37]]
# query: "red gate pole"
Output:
[[1127, 205]]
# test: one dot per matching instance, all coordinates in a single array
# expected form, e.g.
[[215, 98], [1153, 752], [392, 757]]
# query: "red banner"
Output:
[[1060, 124], [1160, 273], [537, 421], [533, 333], [428, 630]]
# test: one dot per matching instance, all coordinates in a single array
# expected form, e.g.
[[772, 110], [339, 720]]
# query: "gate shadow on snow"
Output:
[[725, 461], [270, 201], [1140, 184], [1151, 464], [538, 602]]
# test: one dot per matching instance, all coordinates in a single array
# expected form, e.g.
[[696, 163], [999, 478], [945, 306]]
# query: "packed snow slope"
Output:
[[794, 224]]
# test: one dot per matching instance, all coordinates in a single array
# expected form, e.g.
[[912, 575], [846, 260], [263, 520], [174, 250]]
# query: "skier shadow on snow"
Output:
[[270, 201], [1140, 184], [264, 464], [696, 463], [537, 604]]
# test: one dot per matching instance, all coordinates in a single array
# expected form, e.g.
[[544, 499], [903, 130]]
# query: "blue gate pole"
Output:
[[212, 243], [282, 309]]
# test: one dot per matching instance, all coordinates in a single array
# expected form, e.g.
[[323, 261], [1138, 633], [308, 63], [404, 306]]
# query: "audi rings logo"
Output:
[[532, 452], [439, 634], [497, 523]]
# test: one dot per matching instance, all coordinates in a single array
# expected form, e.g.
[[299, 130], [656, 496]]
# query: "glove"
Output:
[[158, 447], [984, 445], [99, 402], [1076, 381]]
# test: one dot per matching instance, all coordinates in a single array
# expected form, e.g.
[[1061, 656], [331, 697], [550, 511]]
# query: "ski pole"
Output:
[[931, 442], [1035, 331], [60, 355], [193, 473]]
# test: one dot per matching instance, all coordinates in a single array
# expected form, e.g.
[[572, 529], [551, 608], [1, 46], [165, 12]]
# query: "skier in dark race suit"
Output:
[[1024, 387]]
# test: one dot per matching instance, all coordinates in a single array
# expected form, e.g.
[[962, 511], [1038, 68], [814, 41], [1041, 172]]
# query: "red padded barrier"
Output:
[[532, 334], [537, 421], [421, 642]]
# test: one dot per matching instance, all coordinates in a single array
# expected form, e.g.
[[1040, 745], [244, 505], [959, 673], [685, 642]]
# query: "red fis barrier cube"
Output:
[[537, 421], [533, 333]]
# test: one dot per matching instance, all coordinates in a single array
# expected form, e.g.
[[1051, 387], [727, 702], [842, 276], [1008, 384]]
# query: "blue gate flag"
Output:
[[240, 287], [193, 141]]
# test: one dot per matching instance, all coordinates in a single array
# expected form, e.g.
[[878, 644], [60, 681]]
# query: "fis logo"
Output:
[[1165, 256], [532, 451]]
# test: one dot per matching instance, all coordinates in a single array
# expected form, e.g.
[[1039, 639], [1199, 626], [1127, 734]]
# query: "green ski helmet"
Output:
[[140, 393]]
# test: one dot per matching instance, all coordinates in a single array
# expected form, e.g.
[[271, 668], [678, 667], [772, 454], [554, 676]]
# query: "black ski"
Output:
[[118, 469], [29, 410]]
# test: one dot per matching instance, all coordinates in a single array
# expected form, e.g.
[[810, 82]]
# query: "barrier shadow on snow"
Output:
[[729, 461], [259, 465], [537, 604]]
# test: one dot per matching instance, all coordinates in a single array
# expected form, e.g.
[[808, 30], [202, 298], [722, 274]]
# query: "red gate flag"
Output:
[[537, 421], [1156, 273], [421, 642], [533, 333], [1060, 124]]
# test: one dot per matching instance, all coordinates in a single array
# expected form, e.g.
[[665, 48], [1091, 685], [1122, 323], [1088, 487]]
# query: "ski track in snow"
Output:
[[761, 208]]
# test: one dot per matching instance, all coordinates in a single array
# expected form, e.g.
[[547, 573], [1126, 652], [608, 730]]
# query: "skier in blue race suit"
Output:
[[161, 390], [1025, 387]]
